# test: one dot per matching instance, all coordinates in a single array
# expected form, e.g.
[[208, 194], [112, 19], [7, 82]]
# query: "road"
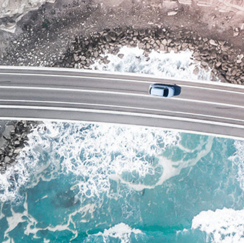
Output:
[[73, 95]]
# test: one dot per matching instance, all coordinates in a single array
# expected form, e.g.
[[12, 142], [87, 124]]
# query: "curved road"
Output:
[[74, 95]]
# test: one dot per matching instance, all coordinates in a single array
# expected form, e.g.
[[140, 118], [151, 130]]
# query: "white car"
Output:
[[161, 90]]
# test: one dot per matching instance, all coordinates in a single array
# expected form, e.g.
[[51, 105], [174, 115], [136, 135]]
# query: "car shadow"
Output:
[[177, 89]]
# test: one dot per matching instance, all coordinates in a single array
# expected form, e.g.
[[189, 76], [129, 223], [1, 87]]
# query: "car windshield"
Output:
[[166, 92]]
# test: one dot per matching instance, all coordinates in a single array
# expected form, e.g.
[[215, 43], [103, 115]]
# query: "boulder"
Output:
[[121, 56], [113, 36], [3, 142], [196, 70], [107, 38], [148, 46], [162, 48], [158, 42], [164, 42], [218, 64], [7, 131], [141, 45], [82, 58], [17, 150], [142, 32], [105, 60], [76, 57], [7, 159], [2, 170], [204, 64], [239, 58], [16, 143], [95, 54], [213, 42]]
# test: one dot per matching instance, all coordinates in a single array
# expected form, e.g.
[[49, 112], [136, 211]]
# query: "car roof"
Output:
[[157, 91]]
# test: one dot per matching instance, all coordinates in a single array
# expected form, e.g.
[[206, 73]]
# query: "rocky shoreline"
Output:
[[13, 137], [226, 62]]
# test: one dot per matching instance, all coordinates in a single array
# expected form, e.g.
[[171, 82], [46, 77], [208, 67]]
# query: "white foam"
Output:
[[17, 218], [120, 231], [11, 181], [28, 169], [32, 228], [104, 152], [222, 226], [174, 168], [179, 65], [93, 153], [184, 231], [238, 160]]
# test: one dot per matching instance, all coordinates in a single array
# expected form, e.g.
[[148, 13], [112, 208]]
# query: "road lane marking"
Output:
[[121, 93], [145, 82], [219, 90], [121, 75], [80, 77], [71, 90], [125, 107], [121, 113], [90, 72], [138, 81]]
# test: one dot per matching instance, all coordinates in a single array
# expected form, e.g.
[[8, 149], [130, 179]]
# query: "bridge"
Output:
[[211, 108]]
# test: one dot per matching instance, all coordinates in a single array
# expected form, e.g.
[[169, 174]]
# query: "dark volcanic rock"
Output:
[[226, 61], [12, 140]]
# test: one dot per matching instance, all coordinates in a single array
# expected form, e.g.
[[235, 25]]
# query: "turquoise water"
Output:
[[79, 182]]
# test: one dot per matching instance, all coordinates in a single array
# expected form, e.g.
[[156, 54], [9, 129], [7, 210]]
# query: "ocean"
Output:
[[82, 182]]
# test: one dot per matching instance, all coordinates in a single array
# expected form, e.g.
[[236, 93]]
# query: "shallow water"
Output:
[[80, 182]]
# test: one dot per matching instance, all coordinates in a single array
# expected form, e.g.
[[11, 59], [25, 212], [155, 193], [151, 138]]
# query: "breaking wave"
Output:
[[179, 65], [95, 153], [222, 226]]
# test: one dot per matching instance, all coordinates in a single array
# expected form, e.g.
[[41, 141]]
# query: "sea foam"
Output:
[[120, 232], [179, 65], [222, 226], [238, 161], [225, 225], [94, 154]]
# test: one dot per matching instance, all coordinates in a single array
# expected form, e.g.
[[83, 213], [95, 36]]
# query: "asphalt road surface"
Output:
[[74, 95]]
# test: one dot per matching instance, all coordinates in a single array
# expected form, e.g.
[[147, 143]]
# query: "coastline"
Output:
[[226, 63], [13, 137], [76, 36]]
